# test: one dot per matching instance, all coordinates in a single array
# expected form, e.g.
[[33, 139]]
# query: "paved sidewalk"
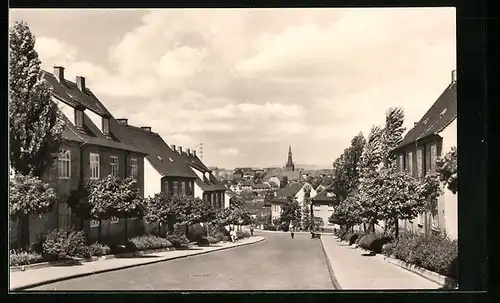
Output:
[[354, 269], [34, 277]]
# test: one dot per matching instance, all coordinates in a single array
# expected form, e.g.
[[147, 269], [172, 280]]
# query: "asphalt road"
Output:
[[278, 263]]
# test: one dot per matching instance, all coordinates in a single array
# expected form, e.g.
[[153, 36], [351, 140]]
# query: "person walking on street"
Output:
[[251, 230], [232, 233], [291, 232]]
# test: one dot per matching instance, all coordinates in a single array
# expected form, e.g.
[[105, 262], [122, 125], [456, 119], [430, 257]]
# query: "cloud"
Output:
[[229, 151], [266, 78]]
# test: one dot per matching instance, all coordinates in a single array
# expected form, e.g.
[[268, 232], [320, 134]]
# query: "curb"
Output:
[[125, 267], [334, 280]]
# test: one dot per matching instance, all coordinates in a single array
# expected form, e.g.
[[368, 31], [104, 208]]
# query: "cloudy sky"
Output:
[[249, 82]]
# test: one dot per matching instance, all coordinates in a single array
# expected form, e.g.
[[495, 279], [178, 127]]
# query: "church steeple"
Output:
[[289, 164]]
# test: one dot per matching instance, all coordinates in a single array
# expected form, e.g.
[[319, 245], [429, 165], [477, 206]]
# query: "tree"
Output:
[[306, 215], [28, 195], [103, 196], [447, 168], [348, 212], [34, 119], [290, 212], [163, 209], [130, 203], [392, 134], [194, 210], [369, 170], [404, 197]]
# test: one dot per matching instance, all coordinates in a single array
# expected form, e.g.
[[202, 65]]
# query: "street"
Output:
[[278, 263]]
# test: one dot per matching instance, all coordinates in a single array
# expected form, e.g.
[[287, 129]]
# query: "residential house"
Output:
[[293, 190], [206, 186], [322, 207], [263, 187], [246, 185], [94, 146], [430, 138]]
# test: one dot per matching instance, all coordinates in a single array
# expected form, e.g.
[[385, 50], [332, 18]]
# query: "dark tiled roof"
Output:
[[161, 157], [211, 184], [247, 183], [261, 186], [289, 191], [280, 173], [323, 196], [440, 115], [70, 94]]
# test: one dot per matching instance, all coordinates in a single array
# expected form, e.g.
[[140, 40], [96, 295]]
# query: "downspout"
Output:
[[80, 185]]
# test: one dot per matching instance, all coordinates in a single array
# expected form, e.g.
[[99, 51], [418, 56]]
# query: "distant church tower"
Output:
[[289, 164]]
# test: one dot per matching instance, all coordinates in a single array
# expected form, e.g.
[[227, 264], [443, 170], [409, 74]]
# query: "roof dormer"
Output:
[[105, 126], [79, 116]]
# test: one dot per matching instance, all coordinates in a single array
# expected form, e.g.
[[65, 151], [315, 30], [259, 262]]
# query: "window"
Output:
[[409, 163], [190, 188], [105, 126], [79, 118], [433, 157], [213, 199], [166, 189], [420, 171], [113, 163], [94, 223], [401, 162], [64, 164], [94, 166], [114, 220], [217, 201], [134, 168], [175, 188], [183, 188]]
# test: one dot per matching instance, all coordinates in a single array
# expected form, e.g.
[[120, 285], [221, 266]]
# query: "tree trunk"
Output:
[[24, 239], [396, 231], [373, 227], [99, 232], [159, 228], [364, 228], [126, 229], [187, 231]]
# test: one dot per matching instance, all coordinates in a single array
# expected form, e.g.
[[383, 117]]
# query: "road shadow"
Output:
[[66, 264], [370, 254], [344, 244], [137, 257]]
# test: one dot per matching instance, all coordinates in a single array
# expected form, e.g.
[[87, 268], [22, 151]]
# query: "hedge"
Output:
[[59, 245], [374, 241], [150, 242], [436, 253], [98, 249], [19, 257]]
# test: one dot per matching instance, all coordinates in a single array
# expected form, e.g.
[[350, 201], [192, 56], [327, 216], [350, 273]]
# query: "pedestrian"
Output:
[[291, 232], [251, 230], [232, 233]]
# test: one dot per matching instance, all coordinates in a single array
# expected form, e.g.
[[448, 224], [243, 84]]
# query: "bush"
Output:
[[270, 227], [388, 249], [97, 249], [353, 238], [433, 252], [127, 247], [225, 238], [374, 242], [150, 242], [59, 244], [218, 233], [242, 234], [178, 240], [18, 258]]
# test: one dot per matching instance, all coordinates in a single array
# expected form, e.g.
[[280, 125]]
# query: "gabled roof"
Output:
[[288, 191], [161, 157], [280, 173], [325, 195], [439, 115], [210, 184], [261, 186], [70, 94]]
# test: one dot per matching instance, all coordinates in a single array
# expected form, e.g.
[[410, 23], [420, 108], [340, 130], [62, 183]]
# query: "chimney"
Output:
[[415, 124], [80, 83], [174, 148], [194, 153], [189, 151], [122, 121], [454, 76], [146, 128], [180, 149], [59, 73]]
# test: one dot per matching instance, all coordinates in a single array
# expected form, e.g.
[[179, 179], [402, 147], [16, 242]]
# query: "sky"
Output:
[[247, 83]]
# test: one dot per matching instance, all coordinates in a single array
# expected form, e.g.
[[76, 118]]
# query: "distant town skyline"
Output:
[[248, 83]]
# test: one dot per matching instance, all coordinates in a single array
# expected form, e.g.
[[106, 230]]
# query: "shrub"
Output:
[[18, 258], [178, 240], [213, 240], [270, 227], [433, 252], [242, 234], [97, 249], [59, 244], [225, 238], [374, 242], [150, 242], [353, 238], [127, 247], [388, 249], [202, 240]]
